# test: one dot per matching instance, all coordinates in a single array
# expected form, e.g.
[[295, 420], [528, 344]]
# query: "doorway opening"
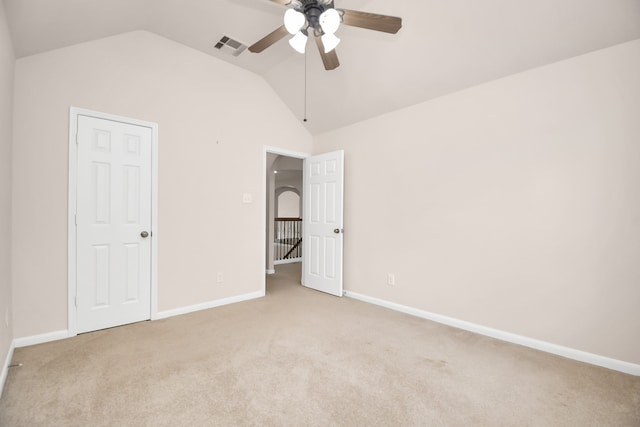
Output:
[[284, 198], [321, 200]]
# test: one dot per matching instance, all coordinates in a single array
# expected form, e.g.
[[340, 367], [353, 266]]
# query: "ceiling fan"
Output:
[[320, 19]]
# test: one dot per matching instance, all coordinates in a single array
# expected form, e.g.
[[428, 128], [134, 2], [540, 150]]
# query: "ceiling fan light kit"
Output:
[[330, 41], [299, 42], [321, 19], [293, 21], [330, 21]]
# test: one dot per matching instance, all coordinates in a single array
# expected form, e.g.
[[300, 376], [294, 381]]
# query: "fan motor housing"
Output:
[[312, 9], [300, 5]]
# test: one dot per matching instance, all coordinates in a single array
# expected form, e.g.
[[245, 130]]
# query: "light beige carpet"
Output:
[[301, 358]]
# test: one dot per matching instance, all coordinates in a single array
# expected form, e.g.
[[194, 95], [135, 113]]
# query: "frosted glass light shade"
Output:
[[293, 21], [330, 21], [299, 42], [330, 42]]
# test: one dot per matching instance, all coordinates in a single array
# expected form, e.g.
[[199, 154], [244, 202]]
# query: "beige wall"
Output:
[[213, 118], [519, 198], [514, 205], [6, 99]]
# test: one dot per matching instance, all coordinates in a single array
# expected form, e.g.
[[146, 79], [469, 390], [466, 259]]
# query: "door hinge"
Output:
[[76, 300], [76, 139], [75, 219]]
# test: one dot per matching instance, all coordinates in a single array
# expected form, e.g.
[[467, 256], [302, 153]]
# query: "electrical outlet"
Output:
[[391, 279], [219, 277]]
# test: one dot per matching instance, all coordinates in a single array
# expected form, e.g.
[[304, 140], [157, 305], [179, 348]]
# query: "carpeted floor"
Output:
[[301, 358]]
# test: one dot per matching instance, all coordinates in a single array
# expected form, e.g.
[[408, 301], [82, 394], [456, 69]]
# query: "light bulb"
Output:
[[293, 21], [330, 21], [299, 42], [330, 42]]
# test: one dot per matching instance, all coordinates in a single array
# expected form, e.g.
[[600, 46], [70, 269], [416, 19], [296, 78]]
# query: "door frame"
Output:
[[74, 112], [282, 152]]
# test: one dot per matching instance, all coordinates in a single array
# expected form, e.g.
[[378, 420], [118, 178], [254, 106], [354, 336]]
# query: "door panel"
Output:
[[323, 185], [113, 265]]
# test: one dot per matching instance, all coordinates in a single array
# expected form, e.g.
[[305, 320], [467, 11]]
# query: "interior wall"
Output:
[[213, 120], [513, 205], [7, 62]]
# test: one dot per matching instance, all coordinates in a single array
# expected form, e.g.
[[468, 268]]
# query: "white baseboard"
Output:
[[287, 261], [59, 335], [42, 338], [5, 367], [207, 305], [570, 353], [27, 341], [270, 271]]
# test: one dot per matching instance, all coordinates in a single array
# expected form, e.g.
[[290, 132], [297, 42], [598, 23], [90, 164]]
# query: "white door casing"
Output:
[[323, 222], [114, 210]]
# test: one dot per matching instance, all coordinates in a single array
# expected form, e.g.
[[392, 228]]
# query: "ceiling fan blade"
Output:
[[282, 2], [372, 21], [268, 40], [330, 60]]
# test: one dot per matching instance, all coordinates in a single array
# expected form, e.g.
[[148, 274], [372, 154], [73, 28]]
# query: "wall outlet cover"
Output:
[[391, 279]]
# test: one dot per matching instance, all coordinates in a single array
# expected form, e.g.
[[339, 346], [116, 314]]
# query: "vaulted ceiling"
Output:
[[444, 46]]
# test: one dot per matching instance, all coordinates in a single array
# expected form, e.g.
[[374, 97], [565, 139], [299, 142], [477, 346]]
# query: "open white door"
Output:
[[323, 180], [113, 262]]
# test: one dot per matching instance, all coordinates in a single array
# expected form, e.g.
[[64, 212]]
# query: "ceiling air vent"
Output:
[[227, 44]]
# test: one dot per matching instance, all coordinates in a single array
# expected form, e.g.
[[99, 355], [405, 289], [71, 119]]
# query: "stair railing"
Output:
[[287, 240]]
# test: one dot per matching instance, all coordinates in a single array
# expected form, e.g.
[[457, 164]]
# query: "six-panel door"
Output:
[[323, 233], [113, 212]]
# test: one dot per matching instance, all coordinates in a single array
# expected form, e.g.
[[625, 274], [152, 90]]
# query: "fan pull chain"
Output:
[[305, 87]]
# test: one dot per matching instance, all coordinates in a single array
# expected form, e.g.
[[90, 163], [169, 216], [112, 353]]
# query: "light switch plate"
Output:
[[246, 198]]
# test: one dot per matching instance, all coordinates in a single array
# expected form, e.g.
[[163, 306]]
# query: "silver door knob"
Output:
[[144, 234], [337, 230]]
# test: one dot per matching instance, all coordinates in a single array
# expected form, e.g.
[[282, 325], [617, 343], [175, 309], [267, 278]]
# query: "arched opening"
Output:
[[288, 226], [288, 203]]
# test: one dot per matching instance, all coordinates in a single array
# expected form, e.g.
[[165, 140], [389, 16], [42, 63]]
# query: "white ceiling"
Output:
[[444, 46]]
